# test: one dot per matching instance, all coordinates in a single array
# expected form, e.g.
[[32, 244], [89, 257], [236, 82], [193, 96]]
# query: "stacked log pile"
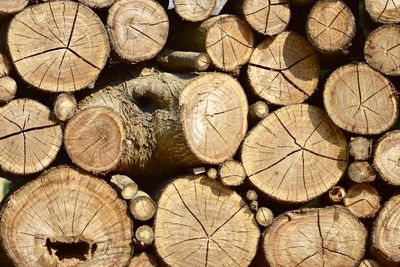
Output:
[[200, 133]]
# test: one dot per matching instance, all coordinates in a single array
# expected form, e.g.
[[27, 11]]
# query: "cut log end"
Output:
[[97, 3], [231, 237], [231, 173], [383, 11], [144, 236], [316, 237], [387, 157], [251, 195], [138, 29], [258, 111], [361, 172], [212, 173], [264, 216], [94, 139], [8, 89], [362, 200], [253, 205], [381, 49], [143, 260], [142, 206], [305, 145], [8, 7], [183, 61], [70, 228], [369, 109], [29, 139], [50, 59], [194, 11], [284, 69], [360, 148], [5, 65], [331, 26], [64, 106], [336, 194]]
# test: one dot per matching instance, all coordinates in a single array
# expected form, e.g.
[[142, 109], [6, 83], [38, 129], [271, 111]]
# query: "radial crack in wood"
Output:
[[330, 237], [284, 69], [66, 218], [384, 11], [361, 172], [58, 46], [360, 99], [362, 200], [194, 10], [199, 222], [295, 154], [387, 157], [231, 173]]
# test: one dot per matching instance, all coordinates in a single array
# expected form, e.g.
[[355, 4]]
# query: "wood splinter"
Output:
[[142, 206], [144, 236], [183, 61]]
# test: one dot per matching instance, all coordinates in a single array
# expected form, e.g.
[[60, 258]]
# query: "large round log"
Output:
[[8, 7], [383, 11], [58, 46], [360, 99], [330, 237], [199, 222], [66, 218], [386, 157], [295, 154], [194, 10]]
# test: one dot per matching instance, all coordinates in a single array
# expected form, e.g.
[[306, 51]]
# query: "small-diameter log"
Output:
[[383, 11], [251, 195], [97, 3], [369, 263], [9, 7], [295, 154], [8, 89], [382, 48], [144, 236], [230, 237], [144, 259], [361, 172], [266, 17], [129, 191], [142, 206], [64, 106], [328, 237], [362, 200], [58, 46], [257, 112], [138, 29], [227, 39], [176, 121], [331, 27], [212, 173], [368, 109], [5, 65], [336, 194], [194, 10], [29, 138], [66, 218], [284, 69], [183, 60], [253, 205], [387, 157], [125, 186], [231, 173], [94, 139], [385, 233], [360, 148], [264, 216]]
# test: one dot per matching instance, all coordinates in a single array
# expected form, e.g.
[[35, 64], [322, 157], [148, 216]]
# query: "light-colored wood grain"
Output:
[[384, 11], [363, 200], [387, 157]]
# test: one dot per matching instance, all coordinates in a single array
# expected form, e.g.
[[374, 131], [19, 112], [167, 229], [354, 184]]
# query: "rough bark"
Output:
[[295, 154], [144, 236], [284, 69], [97, 3], [66, 218], [382, 48], [362, 200], [138, 29], [142, 206], [386, 157], [383, 11], [336, 194], [8, 89], [356, 106], [95, 139], [64, 106], [331, 27], [257, 112], [5, 65], [143, 260], [185, 234], [176, 121], [330, 237], [58, 46], [360, 148], [385, 234], [361, 172], [9, 7], [264, 216], [231, 173], [183, 61], [29, 138], [194, 10]]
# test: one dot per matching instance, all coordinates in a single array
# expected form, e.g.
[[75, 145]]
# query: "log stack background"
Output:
[[199, 133]]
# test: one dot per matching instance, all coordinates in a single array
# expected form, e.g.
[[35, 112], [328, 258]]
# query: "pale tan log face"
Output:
[[331, 26], [138, 29], [386, 232], [295, 154], [65, 206], [214, 129], [199, 222], [97, 3], [29, 140], [284, 69], [360, 99], [194, 10], [387, 157], [362, 200], [58, 46], [329, 237], [382, 49], [142, 260], [267, 17], [385, 11], [12, 6]]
